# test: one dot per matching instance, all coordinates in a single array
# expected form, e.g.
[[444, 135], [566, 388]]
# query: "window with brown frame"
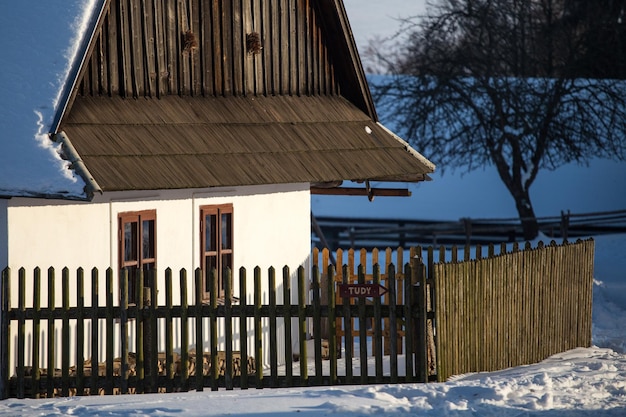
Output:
[[216, 228], [137, 246]]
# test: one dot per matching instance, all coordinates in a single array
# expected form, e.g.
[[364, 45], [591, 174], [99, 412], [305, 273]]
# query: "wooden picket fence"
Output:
[[515, 308], [441, 315], [141, 367]]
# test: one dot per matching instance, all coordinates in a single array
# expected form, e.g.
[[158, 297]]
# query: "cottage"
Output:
[[199, 130]]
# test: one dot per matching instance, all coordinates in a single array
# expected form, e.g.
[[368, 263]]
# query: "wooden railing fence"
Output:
[[442, 315], [133, 331]]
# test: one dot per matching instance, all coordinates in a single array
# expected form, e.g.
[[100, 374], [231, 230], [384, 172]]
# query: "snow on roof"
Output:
[[40, 41]]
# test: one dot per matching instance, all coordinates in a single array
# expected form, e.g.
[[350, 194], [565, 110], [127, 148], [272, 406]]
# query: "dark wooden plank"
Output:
[[362, 328], [283, 47], [194, 10], [227, 48], [272, 327], [93, 381], [258, 330], [50, 336], [377, 340], [302, 289], [80, 331], [169, 333], [292, 47], [332, 325], [65, 333], [21, 327], [186, 36], [109, 342], [149, 46], [184, 332], [228, 329], [287, 318], [243, 327], [140, 328], [124, 333], [317, 326], [212, 329], [347, 331], [237, 46], [276, 46], [217, 55], [248, 10], [206, 48], [173, 45]]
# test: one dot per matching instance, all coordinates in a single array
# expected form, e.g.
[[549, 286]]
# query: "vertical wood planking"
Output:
[[93, 381], [124, 332], [80, 332], [50, 339], [36, 332], [302, 288], [237, 46], [317, 323], [199, 365], [184, 332], [21, 327], [228, 330], [287, 321], [258, 330], [273, 331], [362, 328], [393, 329], [377, 340], [196, 72], [347, 326], [65, 332], [243, 326], [169, 333]]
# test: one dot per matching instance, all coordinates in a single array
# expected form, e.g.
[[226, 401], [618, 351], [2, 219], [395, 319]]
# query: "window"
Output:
[[216, 225], [137, 244]]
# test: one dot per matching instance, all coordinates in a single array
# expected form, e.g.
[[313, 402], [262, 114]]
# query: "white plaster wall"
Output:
[[271, 228]]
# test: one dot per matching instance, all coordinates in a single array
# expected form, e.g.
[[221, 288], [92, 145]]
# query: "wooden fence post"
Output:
[[421, 357], [4, 333]]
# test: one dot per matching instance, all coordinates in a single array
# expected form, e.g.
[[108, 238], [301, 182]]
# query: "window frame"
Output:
[[146, 263], [218, 253]]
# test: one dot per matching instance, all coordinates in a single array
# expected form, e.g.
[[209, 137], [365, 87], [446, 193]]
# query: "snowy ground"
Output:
[[580, 382]]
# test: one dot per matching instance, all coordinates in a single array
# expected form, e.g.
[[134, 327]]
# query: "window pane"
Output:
[[210, 233], [130, 241], [227, 230], [148, 239]]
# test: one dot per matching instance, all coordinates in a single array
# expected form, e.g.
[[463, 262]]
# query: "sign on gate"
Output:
[[361, 290]]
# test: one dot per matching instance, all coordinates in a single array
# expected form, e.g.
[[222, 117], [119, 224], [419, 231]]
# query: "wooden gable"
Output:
[[207, 93], [153, 48]]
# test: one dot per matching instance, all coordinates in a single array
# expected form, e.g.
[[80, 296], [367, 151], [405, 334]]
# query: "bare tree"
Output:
[[494, 82]]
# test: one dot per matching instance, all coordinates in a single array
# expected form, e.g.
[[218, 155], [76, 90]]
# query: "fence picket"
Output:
[[21, 329], [287, 321], [80, 332], [243, 327]]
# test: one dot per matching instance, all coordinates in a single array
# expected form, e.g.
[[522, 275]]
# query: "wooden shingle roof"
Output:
[[174, 142], [175, 94]]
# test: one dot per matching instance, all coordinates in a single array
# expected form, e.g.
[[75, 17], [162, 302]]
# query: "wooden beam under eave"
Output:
[[374, 192]]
